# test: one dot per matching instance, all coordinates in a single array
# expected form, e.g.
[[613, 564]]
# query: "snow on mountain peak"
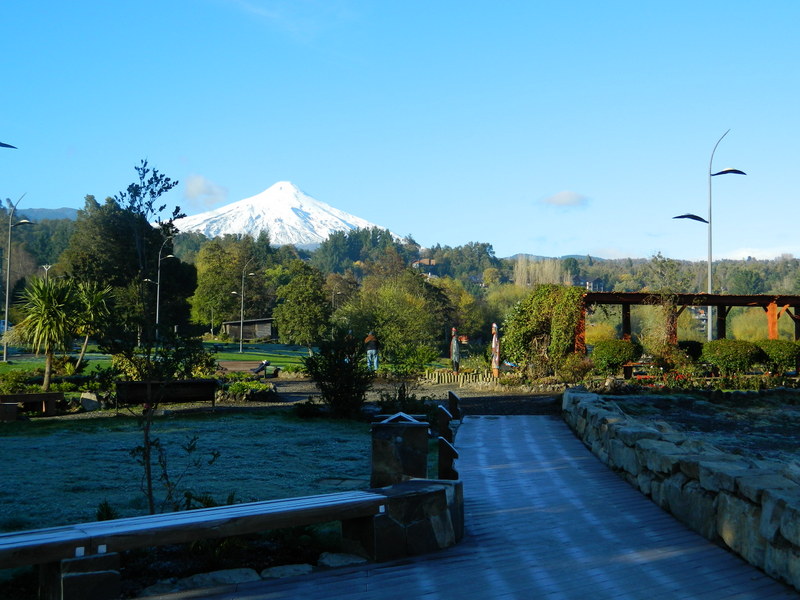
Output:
[[283, 210]]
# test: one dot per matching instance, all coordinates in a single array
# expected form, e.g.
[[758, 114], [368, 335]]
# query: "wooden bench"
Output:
[[42, 402], [101, 538], [628, 368], [187, 390]]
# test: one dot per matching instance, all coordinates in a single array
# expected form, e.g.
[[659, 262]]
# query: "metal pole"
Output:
[[241, 316], [241, 310], [8, 283], [709, 321], [158, 284], [11, 225], [728, 171]]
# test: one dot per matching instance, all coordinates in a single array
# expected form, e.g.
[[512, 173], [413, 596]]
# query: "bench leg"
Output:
[[421, 516], [358, 537], [96, 577], [49, 407], [8, 411]]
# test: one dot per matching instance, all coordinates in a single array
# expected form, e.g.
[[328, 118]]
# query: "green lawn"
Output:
[[278, 355]]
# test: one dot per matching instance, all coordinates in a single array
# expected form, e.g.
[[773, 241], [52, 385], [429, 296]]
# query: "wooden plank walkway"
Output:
[[545, 519]]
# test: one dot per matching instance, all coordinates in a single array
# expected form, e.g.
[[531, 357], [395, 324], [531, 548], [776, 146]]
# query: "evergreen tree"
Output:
[[303, 312]]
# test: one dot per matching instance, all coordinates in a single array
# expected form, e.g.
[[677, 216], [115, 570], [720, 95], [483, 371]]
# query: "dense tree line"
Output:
[[356, 281]]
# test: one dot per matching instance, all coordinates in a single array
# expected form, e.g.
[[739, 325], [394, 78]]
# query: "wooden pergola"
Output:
[[774, 305]]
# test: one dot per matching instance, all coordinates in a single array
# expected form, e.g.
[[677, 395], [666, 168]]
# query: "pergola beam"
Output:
[[789, 304]]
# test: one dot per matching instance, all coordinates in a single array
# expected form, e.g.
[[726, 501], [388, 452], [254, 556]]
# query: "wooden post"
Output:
[[454, 405], [444, 417], [796, 319], [626, 322], [447, 457], [722, 316], [580, 332], [672, 324]]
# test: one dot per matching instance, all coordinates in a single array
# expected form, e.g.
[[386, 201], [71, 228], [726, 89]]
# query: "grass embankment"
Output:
[[58, 472], [277, 354]]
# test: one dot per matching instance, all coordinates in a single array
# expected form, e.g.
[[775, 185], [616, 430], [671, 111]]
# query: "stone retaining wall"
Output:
[[750, 506]]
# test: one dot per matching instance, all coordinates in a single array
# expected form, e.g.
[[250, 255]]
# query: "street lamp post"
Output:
[[694, 217], [11, 226], [158, 282], [241, 309], [710, 262]]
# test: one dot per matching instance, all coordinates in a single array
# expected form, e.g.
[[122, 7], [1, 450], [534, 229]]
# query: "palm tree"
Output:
[[49, 307], [92, 312]]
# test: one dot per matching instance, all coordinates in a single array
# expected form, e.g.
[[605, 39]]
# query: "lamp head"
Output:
[[691, 216], [728, 171]]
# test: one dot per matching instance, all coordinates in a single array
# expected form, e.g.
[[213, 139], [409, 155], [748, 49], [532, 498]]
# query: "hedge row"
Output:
[[727, 356]]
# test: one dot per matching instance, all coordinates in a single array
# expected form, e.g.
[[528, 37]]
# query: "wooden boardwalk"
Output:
[[545, 519]]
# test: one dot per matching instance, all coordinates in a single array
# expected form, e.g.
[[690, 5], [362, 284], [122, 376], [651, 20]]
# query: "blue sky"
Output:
[[550, 128]]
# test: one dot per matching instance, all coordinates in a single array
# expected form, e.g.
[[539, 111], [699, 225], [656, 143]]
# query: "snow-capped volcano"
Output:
[[282, 210]]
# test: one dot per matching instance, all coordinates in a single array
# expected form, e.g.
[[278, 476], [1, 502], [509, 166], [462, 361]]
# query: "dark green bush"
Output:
[[574, 368], [405, 401], [243, 391], [780, 356], [14, 382], [340, 370], [692, 349], [732, 356], [608, 356]]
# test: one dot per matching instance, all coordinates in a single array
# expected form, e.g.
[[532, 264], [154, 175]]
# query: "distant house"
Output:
[[254, 329], [591, 285], [424, 262]]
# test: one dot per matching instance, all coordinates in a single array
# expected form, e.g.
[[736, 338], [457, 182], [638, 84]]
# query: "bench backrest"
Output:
[[193, 390], [51, 544]]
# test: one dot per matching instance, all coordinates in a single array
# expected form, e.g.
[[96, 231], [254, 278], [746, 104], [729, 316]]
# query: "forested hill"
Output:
[[474, 264]]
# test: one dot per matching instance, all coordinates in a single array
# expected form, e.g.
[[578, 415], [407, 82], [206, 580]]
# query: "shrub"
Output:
[[406, 401], [780, 356], [15, 381], [310, 409], [575, 367], [692, 349], [67, 365], [340, 370], [608, 356], [175, 358], [105, 512], [242, 391], [410, 359], [732, 356]]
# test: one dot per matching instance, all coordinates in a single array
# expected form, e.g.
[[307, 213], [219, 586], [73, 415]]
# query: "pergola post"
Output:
[[580, 331], [722, 321], [796, 319], [626, 322], [672, 324]]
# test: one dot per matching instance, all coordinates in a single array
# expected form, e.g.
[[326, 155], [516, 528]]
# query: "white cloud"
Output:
[[759, 253], [303, 19], [203, 193], [567, 198]]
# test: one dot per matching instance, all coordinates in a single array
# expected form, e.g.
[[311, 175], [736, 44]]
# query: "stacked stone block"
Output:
[[751, 506]]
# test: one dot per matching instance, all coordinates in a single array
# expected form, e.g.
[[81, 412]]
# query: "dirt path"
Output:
[[484, 399]]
